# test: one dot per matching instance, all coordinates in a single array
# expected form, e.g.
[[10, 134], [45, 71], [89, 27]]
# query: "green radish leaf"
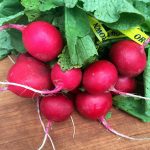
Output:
[[34, 8], [86, 53], [49, 4], [31, 4], [144, 7], [108, 115], [5, 44], [132, 106], [76, 22], [80, 48], [10, 11], [70, 3], [9, 8], [12, 18], [147, 84], [116, 14], [59, 20], [32, 15], [16, 36], [31, 9], [16, 41]]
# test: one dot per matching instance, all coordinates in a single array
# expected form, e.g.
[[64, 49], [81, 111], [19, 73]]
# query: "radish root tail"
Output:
[[74, 128], [10, 58], [42, 124], [3, 89], [106, 125], [45, 137], [129, 94], [43, 92]]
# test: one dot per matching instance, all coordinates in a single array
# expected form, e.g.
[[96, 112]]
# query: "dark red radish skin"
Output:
[[31, 72], [69, 79], [63, 80], [56, 108], [129, 57], [93, 106], [100, 77], [126, 84], [41, 39]]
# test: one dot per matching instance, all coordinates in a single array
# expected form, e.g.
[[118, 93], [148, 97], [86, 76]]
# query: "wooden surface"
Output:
[[20, 128]]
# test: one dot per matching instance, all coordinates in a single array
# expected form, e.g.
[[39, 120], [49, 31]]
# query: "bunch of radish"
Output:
[[31, 77]]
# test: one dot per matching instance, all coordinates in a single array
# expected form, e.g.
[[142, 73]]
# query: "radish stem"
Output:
[[74, 128], [10, 58], [146, 42], [14, 26], [128, 94], [56, 90], [106, 125]]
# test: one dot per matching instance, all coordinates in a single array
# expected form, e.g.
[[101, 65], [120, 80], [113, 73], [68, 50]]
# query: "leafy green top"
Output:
[[70, 16]]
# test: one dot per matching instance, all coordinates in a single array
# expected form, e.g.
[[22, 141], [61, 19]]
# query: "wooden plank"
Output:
[[20, 128]]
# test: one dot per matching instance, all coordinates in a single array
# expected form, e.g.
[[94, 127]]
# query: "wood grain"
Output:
[[20, 128]]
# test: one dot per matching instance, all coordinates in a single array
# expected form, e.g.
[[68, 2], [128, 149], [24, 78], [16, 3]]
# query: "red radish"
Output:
[[30, 72], [63, 80], [45, 129], [56, 108], [125, 84], [99, 77], [41, 39], [129, 57], [68, 80], [95, 107]]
